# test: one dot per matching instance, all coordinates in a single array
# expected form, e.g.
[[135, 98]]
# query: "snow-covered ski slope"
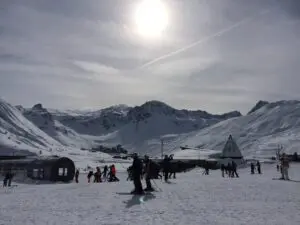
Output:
[[192, 198], [258, 133], [17, 133]]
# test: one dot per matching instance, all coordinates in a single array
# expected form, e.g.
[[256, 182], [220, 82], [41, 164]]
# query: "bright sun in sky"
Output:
[[151, 18]]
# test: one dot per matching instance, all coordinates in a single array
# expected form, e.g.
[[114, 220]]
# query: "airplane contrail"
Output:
[[210, 37]]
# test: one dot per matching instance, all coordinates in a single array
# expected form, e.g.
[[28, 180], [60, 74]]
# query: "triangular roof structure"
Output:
[[231, 150]]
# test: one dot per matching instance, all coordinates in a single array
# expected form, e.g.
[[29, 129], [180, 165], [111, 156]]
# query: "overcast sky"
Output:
[[75, 54]]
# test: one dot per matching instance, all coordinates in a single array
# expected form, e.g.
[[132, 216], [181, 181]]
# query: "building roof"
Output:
[[231, 149]]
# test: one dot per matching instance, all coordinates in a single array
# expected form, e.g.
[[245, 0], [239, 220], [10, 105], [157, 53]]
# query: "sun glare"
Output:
[[151, 18]]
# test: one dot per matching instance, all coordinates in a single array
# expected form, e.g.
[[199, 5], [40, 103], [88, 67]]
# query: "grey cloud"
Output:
[[72, 53]]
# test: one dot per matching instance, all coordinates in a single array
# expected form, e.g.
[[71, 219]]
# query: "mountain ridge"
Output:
[[140, 128]]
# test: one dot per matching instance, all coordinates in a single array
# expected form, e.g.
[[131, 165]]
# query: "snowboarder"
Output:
[[258, 167], [285, 167], [148, 173], [137, 170], [76, 176], [252, 168]]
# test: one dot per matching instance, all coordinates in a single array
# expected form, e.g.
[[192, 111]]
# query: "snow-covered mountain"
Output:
[[132, 127], [18, 135], [258, 133], [141, 128]]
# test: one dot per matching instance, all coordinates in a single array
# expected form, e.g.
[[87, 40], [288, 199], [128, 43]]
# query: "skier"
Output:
[[229, 170], [105, 169], [149, 169], [137, 169], [90, 174], [222, 169], [172, 170], [166, 167], [206, 169], [252, 168], [76, 176], [285, 167], [6, 178], [112, 174], [97, 175], [258, 167], [234, 169]]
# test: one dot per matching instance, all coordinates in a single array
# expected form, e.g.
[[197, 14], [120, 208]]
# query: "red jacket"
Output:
[[113, 170]]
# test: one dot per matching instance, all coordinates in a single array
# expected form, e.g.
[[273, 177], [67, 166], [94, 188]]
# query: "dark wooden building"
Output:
[[52, 168]]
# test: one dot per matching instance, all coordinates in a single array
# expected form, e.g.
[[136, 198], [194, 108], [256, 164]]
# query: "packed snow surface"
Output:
[[192, 198]]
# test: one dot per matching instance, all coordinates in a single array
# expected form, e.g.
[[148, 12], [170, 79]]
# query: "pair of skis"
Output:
[[297, 181]]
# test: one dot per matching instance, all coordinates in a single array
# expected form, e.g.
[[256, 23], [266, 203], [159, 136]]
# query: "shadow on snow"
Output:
[[137, 199]]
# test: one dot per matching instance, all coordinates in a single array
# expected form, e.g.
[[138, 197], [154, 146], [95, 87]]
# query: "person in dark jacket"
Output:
[[258, 167], [234, 169], [112, 174], [6, 178], [166, 167], [105, 170], [149, 173], [90, 174], [97, 175], [223, 169], [172, 168], [137, 171], [252, 168], [77, 176]]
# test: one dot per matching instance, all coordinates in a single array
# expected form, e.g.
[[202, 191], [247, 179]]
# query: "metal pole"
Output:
[[162, 148]]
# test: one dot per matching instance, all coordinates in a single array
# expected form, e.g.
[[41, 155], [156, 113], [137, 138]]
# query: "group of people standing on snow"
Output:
[[150, 170], [258, 167], [108, 174], [230, 169]]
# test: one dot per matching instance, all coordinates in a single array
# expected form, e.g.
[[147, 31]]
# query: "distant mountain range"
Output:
[[141, 128]]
